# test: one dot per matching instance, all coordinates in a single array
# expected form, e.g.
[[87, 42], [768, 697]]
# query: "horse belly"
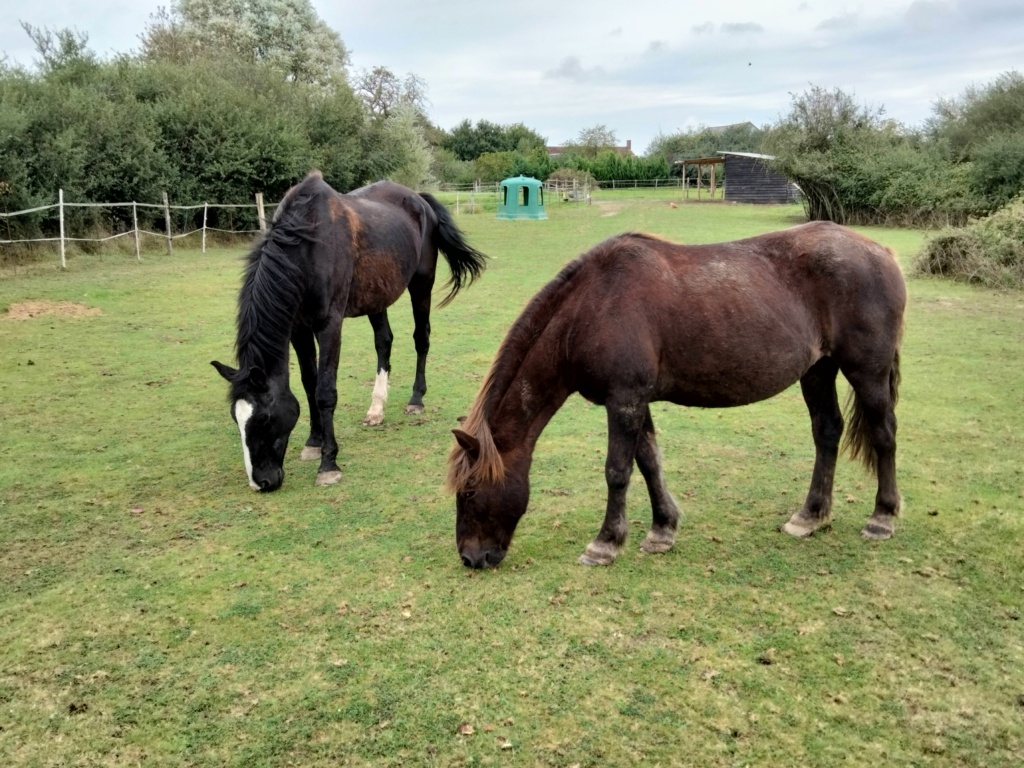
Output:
[[722, 373], [376, 285]]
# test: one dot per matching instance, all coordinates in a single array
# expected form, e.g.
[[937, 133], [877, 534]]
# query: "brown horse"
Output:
[[638, 319]]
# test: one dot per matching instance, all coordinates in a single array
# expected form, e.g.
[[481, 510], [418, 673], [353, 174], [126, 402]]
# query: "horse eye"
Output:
[[469, 494]]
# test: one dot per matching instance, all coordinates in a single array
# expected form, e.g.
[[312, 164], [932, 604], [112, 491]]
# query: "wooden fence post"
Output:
[[60, 207], [260, 213], [135, 223], [206, 207], [167, 218]]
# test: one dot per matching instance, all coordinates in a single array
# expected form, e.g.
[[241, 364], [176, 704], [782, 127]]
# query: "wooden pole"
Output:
[[60, 208], [205, 207], [167, 220], [260, 213], [713, 180], [135, 223]]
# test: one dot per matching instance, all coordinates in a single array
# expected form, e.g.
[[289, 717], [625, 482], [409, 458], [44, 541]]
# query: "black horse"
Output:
[[328, 256]]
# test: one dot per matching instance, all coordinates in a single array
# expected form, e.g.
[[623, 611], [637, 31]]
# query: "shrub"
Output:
[[988, 251]]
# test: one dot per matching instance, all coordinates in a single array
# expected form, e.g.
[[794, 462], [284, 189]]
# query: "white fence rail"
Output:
[[569, 190], [63, 239]]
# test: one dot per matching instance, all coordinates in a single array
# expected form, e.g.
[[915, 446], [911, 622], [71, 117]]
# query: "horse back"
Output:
[[729, 323], [372, 244]]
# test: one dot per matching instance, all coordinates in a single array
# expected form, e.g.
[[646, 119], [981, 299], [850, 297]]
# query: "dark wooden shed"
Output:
[[749, 179]]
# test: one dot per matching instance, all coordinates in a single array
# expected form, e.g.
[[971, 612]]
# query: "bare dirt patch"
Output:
[[609, 208], [26, 310]]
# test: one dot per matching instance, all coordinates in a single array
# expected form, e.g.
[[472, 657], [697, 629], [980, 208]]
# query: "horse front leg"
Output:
[[382, 338], [664, 510], [625, 421], [329, 341], [419, 292], [818, 386], [305, 351]]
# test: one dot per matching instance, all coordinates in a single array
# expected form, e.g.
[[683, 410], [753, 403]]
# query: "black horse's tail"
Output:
[[466, 263]]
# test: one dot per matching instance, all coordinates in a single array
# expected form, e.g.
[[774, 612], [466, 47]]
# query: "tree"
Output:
[[286, 34], [591, 141], [966, 122], [411, 157], [468, 142], [382, 92]]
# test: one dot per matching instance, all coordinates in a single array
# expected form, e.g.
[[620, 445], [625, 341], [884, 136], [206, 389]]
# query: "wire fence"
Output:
[[462, 198], [136, 232]]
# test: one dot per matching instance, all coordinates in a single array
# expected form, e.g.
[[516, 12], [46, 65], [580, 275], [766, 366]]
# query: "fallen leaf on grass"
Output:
[[840, 611], [504, 743], [137, 509], [465, 729]]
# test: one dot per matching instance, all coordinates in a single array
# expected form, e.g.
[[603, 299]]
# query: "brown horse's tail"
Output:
[[858, 433], [466, 263]]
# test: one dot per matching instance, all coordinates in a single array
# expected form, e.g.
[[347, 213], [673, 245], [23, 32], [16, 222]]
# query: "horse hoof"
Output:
[[802, 527], [373, 420], [411, 409], [598, 554], [876, 532], [329, 478], [309, 452], [657, 543]]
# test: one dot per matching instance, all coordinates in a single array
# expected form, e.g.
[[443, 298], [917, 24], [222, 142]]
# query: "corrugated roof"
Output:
[[749, 154]]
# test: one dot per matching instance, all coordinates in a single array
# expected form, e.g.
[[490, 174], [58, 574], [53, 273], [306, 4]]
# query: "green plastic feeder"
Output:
[[521, 197]]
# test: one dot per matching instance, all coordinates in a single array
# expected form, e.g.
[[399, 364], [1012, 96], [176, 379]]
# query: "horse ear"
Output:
[[257, 380], [469, 443], [224, 370]]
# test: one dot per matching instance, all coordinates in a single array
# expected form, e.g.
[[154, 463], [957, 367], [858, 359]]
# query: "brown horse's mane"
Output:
[[488, 467]]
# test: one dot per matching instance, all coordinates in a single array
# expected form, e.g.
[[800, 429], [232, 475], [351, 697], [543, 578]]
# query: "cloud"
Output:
[[742, 29], [707, 28], [657, 46], [838, 23], [570, 68]]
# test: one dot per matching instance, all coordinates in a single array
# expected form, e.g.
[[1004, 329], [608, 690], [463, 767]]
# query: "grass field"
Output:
[[155, 611]]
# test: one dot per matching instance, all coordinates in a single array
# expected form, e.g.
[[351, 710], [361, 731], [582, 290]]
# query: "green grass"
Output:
[[153, 610]]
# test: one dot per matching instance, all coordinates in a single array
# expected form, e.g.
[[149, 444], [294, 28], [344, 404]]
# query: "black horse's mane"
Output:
[[273, 282]]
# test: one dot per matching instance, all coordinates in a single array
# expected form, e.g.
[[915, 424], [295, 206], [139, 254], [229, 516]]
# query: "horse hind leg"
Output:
[[872, 438], [818, 386], [382, 340], [664, 510]]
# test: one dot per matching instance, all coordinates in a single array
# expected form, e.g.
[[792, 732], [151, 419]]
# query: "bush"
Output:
[[988, 251]]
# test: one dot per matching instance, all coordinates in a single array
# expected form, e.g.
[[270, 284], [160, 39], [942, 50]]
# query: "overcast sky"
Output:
[[639, 68]]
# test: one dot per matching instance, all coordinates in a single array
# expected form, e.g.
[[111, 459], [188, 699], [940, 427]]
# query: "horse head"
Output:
[[265, 411], [487, 511]]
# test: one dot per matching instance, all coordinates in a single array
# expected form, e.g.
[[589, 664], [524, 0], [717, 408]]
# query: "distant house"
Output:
[[626, 151], [749, 179]]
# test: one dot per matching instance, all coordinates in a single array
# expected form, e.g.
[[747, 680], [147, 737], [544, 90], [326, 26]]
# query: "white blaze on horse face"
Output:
[[380, 397], [243, 412]]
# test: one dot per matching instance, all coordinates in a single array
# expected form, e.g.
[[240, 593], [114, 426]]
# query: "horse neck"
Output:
[[269, 300], [533, 397]]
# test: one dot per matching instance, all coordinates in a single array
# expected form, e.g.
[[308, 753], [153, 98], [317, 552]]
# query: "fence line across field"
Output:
[[136, 231], [478, 188]]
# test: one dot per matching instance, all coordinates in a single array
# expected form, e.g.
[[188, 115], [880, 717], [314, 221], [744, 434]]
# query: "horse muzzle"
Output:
[[267, 480], [482, 558]]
